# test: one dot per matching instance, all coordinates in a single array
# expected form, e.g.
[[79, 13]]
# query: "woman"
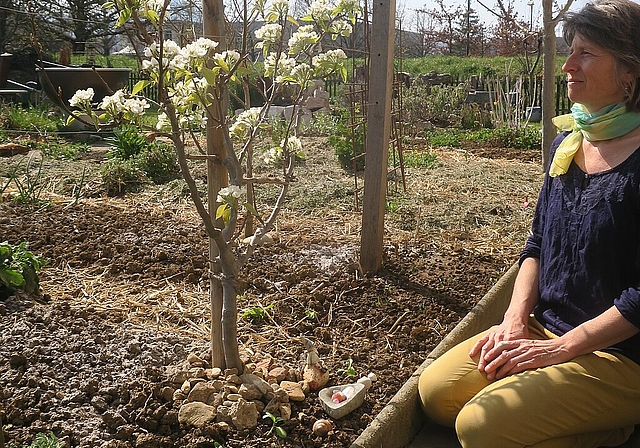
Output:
[[563, 367]]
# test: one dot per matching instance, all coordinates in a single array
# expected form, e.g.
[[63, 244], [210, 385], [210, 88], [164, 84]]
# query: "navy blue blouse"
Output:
[[586, 234]]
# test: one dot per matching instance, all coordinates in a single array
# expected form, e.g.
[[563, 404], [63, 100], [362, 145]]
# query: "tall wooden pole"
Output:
[[548, 80], [214, 26], [378, 130]]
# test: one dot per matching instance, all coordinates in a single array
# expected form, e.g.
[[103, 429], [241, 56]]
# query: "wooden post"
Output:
[[378, 130]]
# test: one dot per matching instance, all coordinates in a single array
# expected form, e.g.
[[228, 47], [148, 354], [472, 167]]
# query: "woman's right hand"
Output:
[[508, 330]]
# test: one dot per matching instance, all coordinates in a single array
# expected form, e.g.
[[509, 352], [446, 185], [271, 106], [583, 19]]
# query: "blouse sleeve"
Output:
[[629, 305]]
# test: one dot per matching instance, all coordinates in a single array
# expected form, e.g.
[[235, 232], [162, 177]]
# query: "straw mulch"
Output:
[[141, 261]]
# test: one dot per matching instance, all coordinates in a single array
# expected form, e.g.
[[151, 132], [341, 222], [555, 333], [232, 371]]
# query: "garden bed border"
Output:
[[402, 418]]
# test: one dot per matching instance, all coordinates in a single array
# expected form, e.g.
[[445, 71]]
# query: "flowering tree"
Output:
[[192, 81]]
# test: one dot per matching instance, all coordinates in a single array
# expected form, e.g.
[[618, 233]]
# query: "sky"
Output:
[[521, 6]]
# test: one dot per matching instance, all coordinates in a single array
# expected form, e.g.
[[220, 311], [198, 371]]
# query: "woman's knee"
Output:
[[435, 398], [476, 429]]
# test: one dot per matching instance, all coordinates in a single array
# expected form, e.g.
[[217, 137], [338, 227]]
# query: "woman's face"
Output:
[[591, 76]]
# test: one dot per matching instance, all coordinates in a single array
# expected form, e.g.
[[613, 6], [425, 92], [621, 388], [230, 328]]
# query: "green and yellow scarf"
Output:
[[609, 122]]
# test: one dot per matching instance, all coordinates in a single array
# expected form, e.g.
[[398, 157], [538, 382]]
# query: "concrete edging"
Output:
[[401, 419]]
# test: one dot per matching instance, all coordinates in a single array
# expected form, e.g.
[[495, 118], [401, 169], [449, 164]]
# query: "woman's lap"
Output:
[[596, 392]]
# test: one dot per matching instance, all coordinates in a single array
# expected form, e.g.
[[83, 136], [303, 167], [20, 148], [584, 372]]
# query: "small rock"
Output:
[[244, 415], [194, 360], [113, 419], [254, 381], [201, 392], [196, 414], [293, 390], [285, 411], [167, 393], [234, 397], [197, 372], [233, 379], [214, 373], [277, 374], [99, 404]]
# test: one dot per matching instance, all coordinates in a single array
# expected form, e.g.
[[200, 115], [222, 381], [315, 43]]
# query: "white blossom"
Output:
[[280, 7], [246, 122], [284, 69], [163, 123], [293, 144], [303, 37], [341, 27], [319, 8], [270, 32], [200, 48], [273, 156], [135, 106], [81, 97], [230, 193], [113, 103], [330, 57]]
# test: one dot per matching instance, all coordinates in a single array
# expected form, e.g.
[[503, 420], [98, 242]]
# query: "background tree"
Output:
[[14, 25], [509, 34]]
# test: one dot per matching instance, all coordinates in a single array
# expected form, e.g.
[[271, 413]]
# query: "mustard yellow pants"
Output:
[[591, 401]]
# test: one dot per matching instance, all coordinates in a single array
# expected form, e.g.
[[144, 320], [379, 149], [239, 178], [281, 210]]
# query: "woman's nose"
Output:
[[569, 65]]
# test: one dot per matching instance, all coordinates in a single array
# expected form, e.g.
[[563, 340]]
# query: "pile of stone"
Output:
[[208, 395]]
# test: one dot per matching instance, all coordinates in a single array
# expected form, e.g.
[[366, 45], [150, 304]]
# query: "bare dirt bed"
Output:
[[96, 359]]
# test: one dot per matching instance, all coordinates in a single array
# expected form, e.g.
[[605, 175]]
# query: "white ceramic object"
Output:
[[339, 410]]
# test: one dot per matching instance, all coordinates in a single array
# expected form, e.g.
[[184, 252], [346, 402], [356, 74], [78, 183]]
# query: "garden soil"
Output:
[[97, 357]]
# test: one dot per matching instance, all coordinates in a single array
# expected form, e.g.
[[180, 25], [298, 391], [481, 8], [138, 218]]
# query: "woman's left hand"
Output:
[[511, 357]]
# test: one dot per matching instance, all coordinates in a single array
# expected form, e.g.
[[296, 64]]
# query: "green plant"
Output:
[[472, 116], [255, 313], [342, 140], [439, 104], [311, 314], [348, 369], [276, 425], [419, 159], [39, 120], [127, 142], [443, 137], [18, 269], [159, 162], [62, 149], [42, 441], [392, 205], [121, 176], [29, 186]]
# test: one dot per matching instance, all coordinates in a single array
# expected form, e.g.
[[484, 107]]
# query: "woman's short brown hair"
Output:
[[612, 25]]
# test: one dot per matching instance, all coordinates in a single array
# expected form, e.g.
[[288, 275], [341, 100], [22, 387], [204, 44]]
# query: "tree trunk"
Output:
[[213, 22]]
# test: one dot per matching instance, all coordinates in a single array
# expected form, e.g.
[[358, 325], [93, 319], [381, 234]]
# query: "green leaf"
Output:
[[250, 209], [70, 119], [5, 252], [224, 212], [108, 5], [11, 278], [140, 85], [271, 17], [125, 15], [281, 432], [343, 73], [153, 16], [292, 20], [209, 75]]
